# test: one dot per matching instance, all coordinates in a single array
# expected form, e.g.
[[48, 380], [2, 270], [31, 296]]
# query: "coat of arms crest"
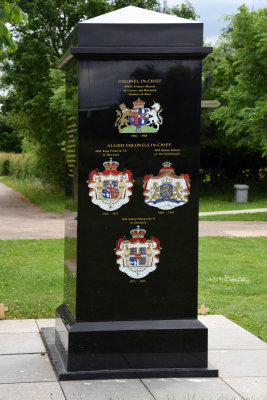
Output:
[[166, 190], [110, 189], [139, 119], [138, 256]]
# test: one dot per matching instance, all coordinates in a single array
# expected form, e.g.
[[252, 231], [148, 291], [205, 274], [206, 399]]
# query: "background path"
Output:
[[247, 211], [233, 228], [20, 219]]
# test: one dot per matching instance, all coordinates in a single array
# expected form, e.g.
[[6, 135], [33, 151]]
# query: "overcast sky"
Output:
[[212, 11]]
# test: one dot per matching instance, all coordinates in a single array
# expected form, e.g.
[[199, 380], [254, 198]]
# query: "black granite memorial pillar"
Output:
[[131, 272]]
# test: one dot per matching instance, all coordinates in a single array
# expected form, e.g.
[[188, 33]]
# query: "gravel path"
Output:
[[20, 219]]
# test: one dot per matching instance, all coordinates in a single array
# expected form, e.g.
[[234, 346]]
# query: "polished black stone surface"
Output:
[[111, 324], [131, 344], [71, 190], [171, 290], [48, 336], [124, 35]]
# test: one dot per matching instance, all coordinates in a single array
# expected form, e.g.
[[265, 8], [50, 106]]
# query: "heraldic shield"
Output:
[[110, 189], [139, 119], [138, 256], [166, 190]]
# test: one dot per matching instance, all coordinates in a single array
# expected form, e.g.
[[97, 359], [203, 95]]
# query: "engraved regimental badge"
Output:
[[110, 189], [166, 190], [139, 119], [138, 256]]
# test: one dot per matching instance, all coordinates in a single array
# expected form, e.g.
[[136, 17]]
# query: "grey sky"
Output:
[[212, 11]]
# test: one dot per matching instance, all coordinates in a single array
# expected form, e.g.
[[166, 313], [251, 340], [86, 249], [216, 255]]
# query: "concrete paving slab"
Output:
[[190, 389], [46, 323], [31, 391], [252, 388], [22, 368], [18, 326], [235, 339], [217, 321], [239, 363], [18, 343], [118, 389]]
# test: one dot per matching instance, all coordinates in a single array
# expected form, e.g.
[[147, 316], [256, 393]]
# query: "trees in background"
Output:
[[185, 10], [28, 79], [35, 89], [243, 53], [10, 139], [9, 12], [234, 136]]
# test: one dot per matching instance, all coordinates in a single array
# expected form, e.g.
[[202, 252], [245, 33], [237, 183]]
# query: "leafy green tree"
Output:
[[35, 93], [10, 139], [239, 80], [233, 136], [27, 77], [149, 4], [9, 12], [184, 10]]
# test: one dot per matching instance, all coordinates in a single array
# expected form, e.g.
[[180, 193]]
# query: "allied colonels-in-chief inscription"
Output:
[[130, 294]]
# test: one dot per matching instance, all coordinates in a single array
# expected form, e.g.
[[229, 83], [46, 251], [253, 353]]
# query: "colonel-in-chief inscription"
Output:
[[166, 190], [110, 189], [138, 256], [139, 119]]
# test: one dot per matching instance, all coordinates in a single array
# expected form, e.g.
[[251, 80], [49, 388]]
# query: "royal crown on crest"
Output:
[[138, 233], [166, 168], [166, 164], [110, 165], [138, 103]]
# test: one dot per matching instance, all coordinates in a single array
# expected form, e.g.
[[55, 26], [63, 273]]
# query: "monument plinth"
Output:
[[130, 289]]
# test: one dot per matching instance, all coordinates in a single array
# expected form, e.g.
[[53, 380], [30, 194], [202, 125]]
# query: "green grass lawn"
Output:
[[219, 198], [232, 279], [236, 217], [49, 197], [31, 271]]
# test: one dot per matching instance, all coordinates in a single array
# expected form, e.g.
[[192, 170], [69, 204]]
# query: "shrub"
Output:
[[30, 166], [5, 162], [21, 166]]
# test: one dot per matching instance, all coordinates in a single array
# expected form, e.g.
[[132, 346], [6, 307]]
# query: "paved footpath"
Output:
[[26, 372], [20, 219], [233, 228]]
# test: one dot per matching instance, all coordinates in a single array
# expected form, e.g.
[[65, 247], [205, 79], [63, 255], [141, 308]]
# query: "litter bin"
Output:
[[241, 193]]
